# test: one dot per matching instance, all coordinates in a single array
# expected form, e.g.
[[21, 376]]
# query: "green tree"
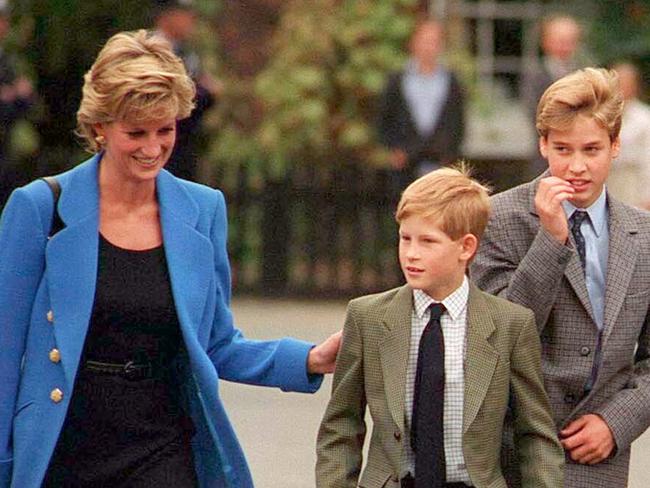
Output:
[[62, 39], [620, 32], [620, 29], [313, 103]]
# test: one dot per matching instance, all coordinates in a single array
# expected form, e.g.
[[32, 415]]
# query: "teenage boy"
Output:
[[435, 362], [561, 246]]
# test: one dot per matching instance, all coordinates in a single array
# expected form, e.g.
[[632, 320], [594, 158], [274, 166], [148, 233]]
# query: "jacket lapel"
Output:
[[576, 278], [394, 352], [481, 357], [71, 258], [573, 271], [189, 253], [621, 260], [71, 263]]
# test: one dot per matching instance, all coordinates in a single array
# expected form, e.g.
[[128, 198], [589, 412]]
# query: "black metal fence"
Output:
[[325, 232]]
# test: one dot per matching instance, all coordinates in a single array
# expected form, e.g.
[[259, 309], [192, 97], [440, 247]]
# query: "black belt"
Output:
[[130, 370], [409, 482]]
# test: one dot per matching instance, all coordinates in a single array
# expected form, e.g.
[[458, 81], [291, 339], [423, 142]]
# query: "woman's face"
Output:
[[137, 151]]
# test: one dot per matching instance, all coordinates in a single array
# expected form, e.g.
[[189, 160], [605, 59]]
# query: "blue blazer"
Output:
[[46, 298]]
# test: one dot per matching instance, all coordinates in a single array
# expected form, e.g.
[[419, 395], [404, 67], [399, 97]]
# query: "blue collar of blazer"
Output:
[[80, 194], [71, 256]]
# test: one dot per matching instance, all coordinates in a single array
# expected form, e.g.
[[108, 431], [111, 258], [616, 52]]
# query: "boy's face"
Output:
[[581, 155], [430, 260]]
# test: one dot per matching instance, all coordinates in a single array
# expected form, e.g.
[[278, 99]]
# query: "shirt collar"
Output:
[[597, 212], [455, 303]]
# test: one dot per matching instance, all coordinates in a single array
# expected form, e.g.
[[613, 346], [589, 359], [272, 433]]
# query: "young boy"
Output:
[[561, 246], [435, 362]]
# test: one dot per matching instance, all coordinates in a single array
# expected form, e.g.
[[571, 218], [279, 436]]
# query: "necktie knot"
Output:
[[436, 309], [577, 218]]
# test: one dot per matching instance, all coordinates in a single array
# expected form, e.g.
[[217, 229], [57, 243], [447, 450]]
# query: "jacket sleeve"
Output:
[[281, 363], [22, 244], [532, 280], [343, 428], [540, 452]]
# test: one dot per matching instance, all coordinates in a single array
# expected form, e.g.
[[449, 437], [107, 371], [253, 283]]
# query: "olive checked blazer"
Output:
[[502, 355], [521, 262], [47, 289]]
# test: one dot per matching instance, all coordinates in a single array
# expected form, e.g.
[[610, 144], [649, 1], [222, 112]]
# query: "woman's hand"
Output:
[[322, 358]]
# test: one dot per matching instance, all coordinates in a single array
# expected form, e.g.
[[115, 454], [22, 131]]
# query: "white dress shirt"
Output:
[[454, 327]]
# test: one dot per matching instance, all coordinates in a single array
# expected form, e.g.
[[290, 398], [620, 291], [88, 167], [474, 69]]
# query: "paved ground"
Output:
[[278, 430]]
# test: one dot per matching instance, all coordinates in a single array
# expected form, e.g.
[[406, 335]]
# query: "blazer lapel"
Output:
[[573, 272], [575, 275], [481, 357], [189, 254], [71, 263], [394, 352], [71, 258], [621, 260]]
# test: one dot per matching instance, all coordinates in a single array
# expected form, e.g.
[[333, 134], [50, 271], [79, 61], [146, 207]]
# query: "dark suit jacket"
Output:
[[397, 129], [520, 261]]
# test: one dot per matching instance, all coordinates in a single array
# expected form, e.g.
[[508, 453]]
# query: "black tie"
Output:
[[427, 434], [576, 219]]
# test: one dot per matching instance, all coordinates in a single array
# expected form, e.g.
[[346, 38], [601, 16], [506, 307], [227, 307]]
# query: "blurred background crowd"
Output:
[[312, 115]]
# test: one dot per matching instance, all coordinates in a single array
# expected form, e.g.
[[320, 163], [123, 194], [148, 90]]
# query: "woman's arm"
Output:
[[282, 363], [22, 245]]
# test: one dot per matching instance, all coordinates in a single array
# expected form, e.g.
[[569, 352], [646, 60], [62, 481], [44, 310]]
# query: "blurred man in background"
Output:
[[629, 178], [560, 36], [176, 21], [421, 113], [16, 96]]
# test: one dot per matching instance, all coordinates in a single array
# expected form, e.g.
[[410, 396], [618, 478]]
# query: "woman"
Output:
[[116, 330]]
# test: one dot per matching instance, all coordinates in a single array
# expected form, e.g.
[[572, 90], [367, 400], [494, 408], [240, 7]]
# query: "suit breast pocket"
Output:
[[636, 303], [638, 293]]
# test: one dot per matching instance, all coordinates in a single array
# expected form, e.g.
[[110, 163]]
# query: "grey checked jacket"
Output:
[[521, 262]]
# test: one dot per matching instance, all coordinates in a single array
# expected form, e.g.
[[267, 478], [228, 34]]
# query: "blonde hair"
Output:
[[591, 92], [460, 204], [136, 77]]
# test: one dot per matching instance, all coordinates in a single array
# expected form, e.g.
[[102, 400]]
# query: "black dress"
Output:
[[121, 431]]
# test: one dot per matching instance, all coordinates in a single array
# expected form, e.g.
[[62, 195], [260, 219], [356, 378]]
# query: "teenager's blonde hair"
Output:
[[136, 77], [591, 92], [459, 204]]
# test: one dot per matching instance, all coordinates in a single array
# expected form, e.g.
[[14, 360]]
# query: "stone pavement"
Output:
[[278, 430]]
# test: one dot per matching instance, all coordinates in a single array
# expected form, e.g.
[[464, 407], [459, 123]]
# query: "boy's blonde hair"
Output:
[[591, 92], [136, 77], [459, 204]]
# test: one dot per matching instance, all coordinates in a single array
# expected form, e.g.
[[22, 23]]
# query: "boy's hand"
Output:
[[588, 439], [552, 191], [322, 358]]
